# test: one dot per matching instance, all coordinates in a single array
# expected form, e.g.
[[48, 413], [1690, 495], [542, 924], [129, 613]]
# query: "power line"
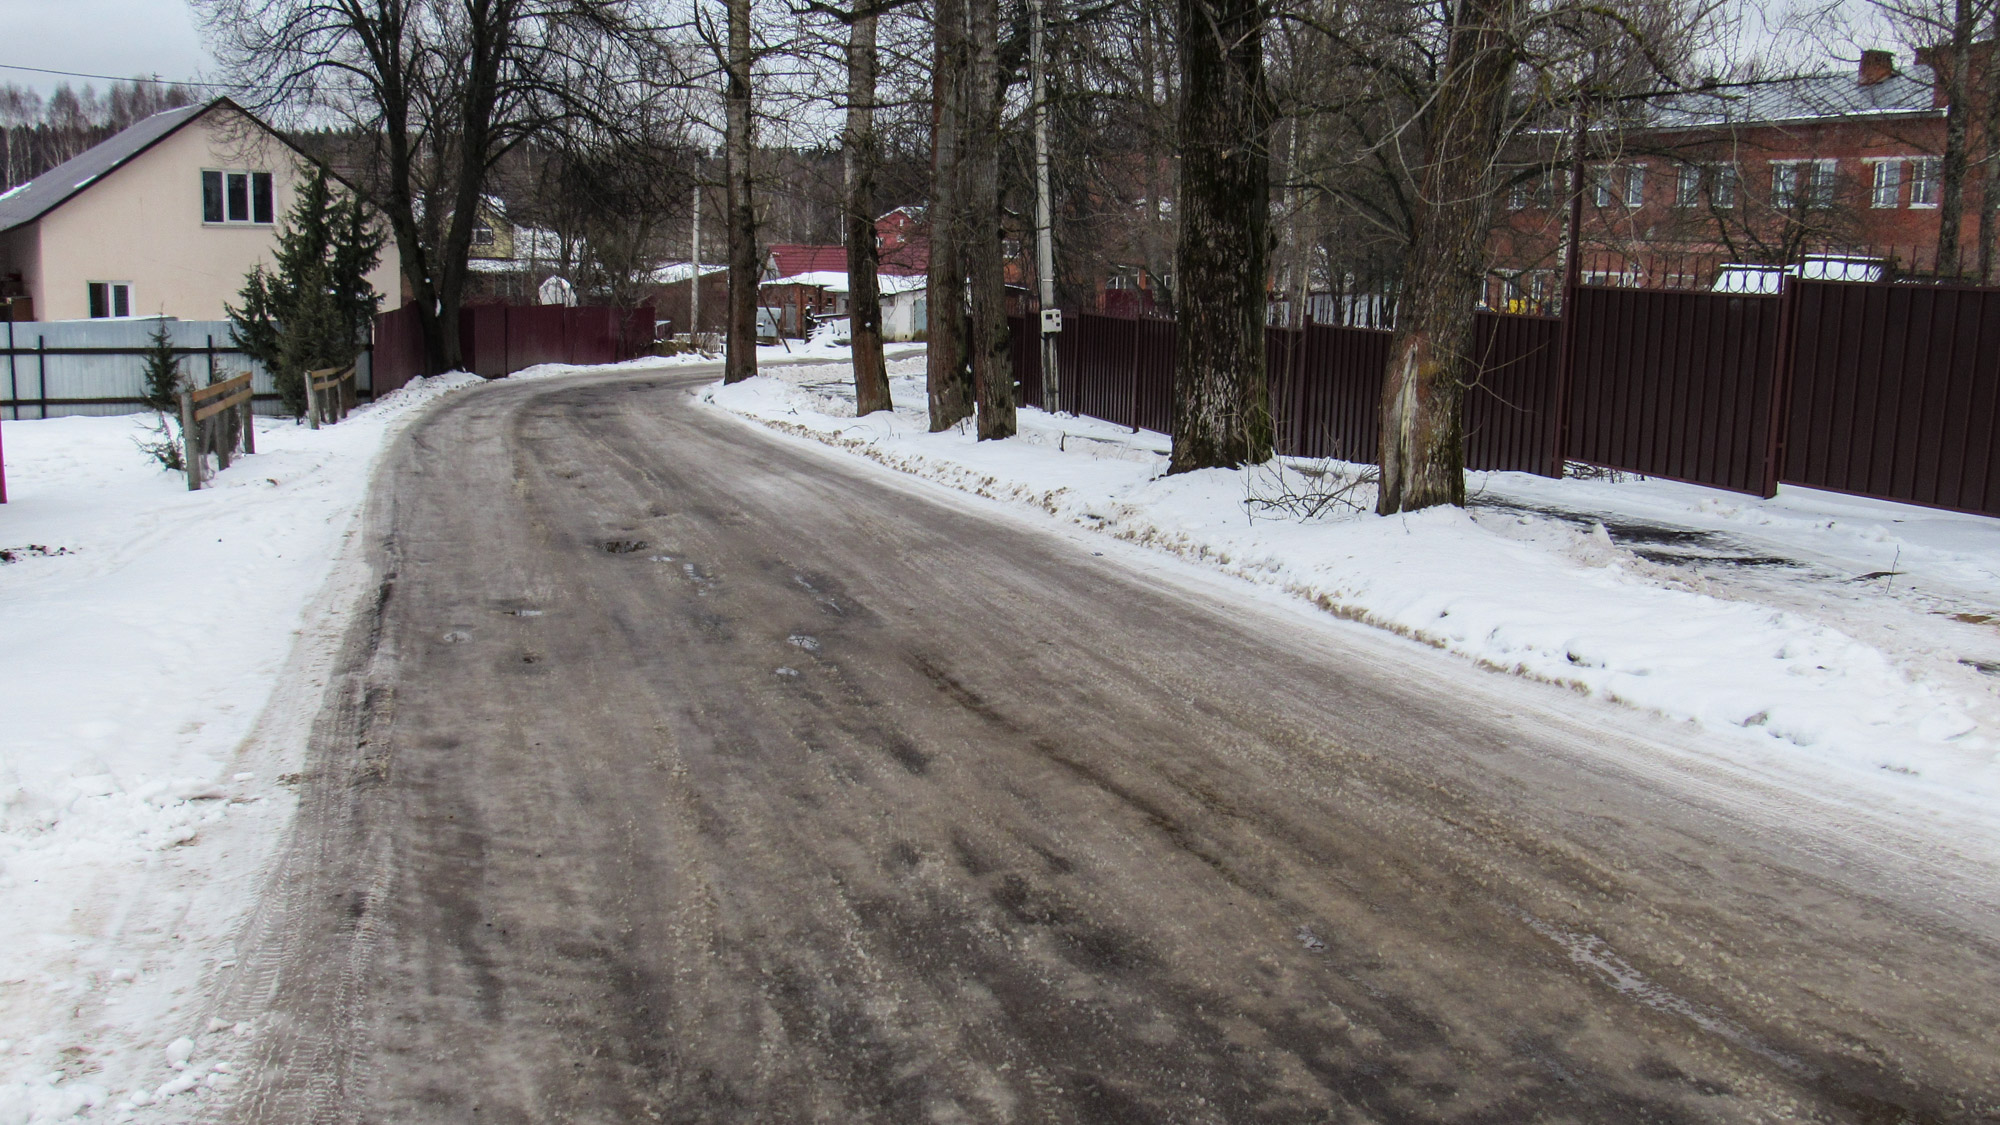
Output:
[[116, 78]]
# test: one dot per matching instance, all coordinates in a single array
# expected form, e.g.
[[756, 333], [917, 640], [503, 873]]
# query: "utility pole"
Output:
[[694, 260], [1045, 255]]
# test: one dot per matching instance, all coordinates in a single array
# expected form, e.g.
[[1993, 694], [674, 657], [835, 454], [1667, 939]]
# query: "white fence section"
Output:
[[53, 368]]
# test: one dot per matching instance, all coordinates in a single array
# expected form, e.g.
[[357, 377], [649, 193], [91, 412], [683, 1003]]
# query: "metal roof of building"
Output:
[[1814, 97], [27, 202]]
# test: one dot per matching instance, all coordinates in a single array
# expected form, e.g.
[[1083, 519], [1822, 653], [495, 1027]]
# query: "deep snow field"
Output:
[[1846, 642], [146, 751]]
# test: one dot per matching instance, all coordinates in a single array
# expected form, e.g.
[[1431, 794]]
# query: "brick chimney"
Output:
[[1876, 66]]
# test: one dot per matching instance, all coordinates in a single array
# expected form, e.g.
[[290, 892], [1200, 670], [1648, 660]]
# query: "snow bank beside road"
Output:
[[1522, 586], [134, 666]]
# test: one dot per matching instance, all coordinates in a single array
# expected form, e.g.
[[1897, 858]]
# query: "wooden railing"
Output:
[[322, 406], [213, 420]]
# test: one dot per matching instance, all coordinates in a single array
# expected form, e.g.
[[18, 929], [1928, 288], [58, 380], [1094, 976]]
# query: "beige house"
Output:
[[167, 217]]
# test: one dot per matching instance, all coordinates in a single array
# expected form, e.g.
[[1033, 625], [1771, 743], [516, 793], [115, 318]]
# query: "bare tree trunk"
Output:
[[1955, 74], [1159, 93], [947, 371], [864, 298], [1423, 449], [1222, 410], [1989, 190], [992, 371], [745, 272]]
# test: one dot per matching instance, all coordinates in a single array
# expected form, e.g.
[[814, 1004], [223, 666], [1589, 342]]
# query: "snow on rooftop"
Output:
[[835, 281]]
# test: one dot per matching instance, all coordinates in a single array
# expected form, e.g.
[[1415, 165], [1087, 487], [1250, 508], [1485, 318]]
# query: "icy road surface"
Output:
[[684, 771]]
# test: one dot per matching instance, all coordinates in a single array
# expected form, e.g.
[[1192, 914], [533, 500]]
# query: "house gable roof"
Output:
[[28, 202]]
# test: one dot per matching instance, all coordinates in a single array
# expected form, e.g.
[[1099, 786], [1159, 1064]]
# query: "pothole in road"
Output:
[[623, 546]]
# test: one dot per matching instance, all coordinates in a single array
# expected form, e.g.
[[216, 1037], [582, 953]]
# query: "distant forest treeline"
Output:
[[41, 133]]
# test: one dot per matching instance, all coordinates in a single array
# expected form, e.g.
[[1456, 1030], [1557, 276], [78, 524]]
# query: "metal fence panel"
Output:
[[1676, 385], [49, 374], [1895, 393], [1510, 409]]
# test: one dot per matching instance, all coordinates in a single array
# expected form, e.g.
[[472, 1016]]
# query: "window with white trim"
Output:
[[1924, 180], [238, 197], [1687, 185], [1724, 181], [1820, 185], [1807, 183], [110, 298], [1887, 188], [1618, 184]]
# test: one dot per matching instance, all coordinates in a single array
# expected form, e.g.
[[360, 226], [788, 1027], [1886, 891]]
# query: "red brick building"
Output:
[[1839, 167]]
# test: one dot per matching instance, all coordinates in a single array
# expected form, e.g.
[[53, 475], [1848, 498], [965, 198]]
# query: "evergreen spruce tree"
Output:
[[163, 391], [312, 309]]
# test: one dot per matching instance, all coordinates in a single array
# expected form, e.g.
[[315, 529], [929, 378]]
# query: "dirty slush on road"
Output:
[[680, 773]]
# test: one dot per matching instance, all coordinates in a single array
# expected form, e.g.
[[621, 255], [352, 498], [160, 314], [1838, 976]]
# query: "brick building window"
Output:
[[1612, 184], [1807, 183], [1887, 190], [1723, 183], [1687, 186], [1924, 181]]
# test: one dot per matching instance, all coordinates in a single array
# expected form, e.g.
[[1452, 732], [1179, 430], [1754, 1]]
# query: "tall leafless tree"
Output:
[[858, 148], [1222, 413], [746, 270], [1422, 453], [440, 92], [985, 265], [948, 367]]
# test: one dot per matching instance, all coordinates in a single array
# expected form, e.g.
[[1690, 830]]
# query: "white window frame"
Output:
[[1600, 184], [249, 178], [1926, 179], [112, 291], [1687, 186], [1822, 182], [1784, 184], [1635, 186], [1885, 182], [1725, 184]]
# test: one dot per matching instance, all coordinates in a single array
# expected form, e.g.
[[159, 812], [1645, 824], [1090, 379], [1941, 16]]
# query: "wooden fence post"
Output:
[[249, 425], [190, 442]]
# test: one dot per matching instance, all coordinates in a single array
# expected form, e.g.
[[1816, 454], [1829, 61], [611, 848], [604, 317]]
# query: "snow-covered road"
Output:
[[1844, 641], [692, 771]]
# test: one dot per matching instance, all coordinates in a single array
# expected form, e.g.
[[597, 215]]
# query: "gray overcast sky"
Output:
[[117, 37], [146, 37]]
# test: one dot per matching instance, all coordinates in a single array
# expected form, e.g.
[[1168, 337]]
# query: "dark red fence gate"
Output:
[[1677, 385], [1895, 392], [1882, 390], [499, 340]]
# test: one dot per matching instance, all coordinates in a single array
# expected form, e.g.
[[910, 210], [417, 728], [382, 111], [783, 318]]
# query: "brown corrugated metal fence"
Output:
[[499, 340], [1880, 390], [1895, 393]]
